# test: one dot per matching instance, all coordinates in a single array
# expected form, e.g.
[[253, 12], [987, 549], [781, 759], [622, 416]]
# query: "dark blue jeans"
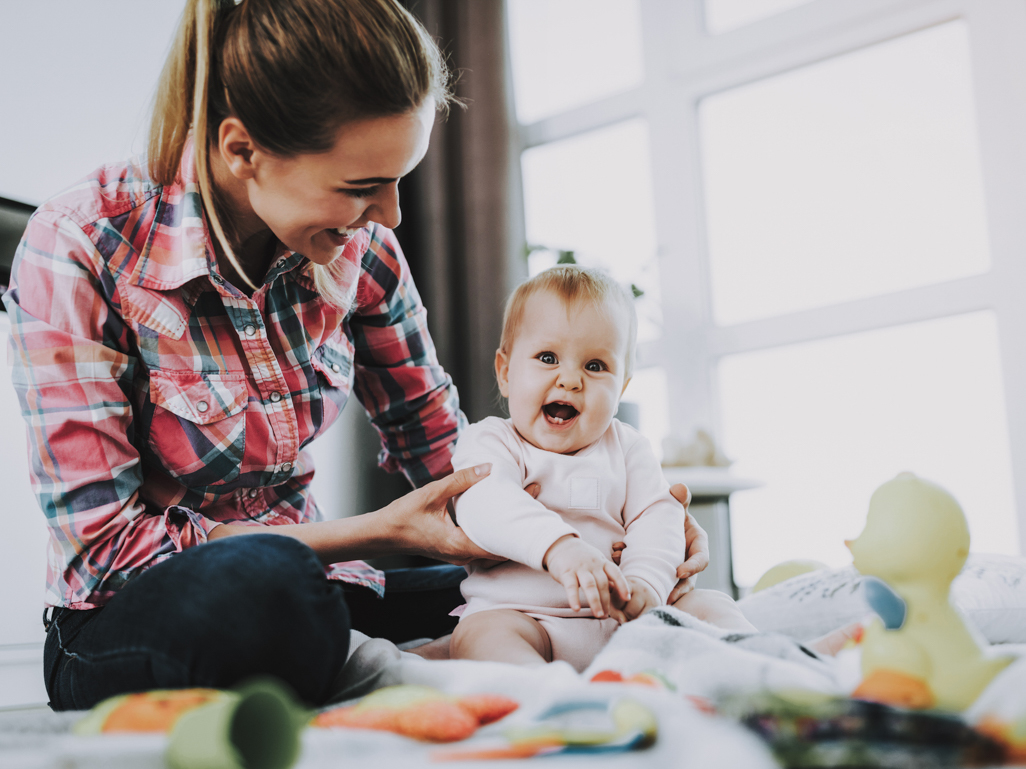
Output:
[[234, 608]]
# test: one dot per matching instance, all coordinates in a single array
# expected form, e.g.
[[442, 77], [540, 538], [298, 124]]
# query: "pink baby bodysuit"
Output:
[[610, 491]]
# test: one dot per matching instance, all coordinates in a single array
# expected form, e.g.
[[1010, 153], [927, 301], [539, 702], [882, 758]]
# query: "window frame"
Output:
[[684, 64]]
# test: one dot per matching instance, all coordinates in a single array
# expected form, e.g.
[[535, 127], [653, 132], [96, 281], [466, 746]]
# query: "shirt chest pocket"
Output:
[[333, 366], [198, 425]]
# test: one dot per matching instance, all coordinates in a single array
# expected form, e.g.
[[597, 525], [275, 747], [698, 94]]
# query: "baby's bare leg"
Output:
[[716, 608], [501, 635]]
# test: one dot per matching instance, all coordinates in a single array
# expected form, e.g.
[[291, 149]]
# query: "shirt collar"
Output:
[[178, 247]]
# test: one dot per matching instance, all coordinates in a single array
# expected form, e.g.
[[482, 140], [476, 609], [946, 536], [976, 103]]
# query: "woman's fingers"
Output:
[[618, 548], [459, 481], [681, 493], [682, 588], [693, 565], [697, 543], [533, 489]]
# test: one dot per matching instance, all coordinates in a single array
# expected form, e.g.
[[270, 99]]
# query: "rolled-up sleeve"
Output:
[[411, 401], [73, 373]]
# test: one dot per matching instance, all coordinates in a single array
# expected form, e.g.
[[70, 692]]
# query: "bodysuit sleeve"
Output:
[[653, 520], [496, 513]]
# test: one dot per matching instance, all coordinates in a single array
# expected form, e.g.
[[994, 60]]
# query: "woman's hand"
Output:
[[697, 552], [697, 547], [421, 522]]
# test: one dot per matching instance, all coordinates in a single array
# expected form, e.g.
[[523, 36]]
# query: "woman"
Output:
[[181, 330]]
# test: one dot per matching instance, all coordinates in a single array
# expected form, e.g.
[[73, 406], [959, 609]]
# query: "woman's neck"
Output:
[[252, 241]]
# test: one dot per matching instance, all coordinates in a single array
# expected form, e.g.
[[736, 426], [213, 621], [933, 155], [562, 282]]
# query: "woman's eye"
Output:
[[595, 365], [359, 192], [547, 358]]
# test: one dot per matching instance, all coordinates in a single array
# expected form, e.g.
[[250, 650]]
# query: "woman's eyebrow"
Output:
[[373, 180]]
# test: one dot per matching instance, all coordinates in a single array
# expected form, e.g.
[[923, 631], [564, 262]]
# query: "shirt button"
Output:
[[286, 467], [253, 493], [335, 367], [217, 278], [275, 396], [250, 330], [281, 263], [202, 407]]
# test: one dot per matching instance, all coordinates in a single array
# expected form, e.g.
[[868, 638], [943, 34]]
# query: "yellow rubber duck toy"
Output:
[[916, 540]]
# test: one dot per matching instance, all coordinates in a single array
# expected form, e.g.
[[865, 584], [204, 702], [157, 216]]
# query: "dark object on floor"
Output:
[[817, 731]]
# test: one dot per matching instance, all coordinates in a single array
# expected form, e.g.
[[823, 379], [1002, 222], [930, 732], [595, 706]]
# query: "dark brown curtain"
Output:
[[461, 229]]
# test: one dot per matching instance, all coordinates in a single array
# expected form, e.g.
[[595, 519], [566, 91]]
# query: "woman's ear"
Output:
[[236, 148], [502, 372]]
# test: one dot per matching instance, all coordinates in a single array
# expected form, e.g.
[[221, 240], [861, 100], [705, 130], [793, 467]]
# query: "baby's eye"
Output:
[[595, 365], [547, 358]]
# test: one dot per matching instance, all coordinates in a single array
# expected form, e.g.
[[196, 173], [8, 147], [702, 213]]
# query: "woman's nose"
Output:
[[385, 208]]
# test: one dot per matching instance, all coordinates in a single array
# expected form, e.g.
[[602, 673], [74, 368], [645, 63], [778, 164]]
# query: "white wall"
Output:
[[79, 77]]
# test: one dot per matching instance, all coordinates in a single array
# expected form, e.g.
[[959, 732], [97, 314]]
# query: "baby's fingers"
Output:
[[618, 582], [596, 591], [618, 615], [569, 581]]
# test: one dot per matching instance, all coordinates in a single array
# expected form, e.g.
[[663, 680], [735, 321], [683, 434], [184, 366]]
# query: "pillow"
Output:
[[990, 591]]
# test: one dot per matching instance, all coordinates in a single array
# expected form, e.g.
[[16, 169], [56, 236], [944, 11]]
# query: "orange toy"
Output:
[[155, 711], [420, 712]]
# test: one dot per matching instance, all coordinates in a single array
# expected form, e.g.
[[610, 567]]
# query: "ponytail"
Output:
[[182, 98], [293, 73]]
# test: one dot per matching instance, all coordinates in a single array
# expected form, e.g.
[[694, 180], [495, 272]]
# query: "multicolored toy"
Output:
[[589, 726], [419, 712], [254, 727], [923, 655]]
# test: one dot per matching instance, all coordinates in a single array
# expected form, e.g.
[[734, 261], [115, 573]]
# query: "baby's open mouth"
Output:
[[559, 412]]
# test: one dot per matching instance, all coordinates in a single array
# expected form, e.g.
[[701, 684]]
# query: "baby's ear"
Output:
[[502, 372]]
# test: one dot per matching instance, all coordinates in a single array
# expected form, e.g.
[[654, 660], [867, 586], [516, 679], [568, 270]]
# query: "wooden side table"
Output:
[[711, 488]]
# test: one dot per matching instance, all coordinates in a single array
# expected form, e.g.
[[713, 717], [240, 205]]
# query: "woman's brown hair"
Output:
[[293, 71]]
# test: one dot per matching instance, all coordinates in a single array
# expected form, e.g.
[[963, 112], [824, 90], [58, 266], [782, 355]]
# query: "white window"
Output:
[[835, 202]]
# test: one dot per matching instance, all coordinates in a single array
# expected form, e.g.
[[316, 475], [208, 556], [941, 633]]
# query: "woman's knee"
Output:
[[239, 607]]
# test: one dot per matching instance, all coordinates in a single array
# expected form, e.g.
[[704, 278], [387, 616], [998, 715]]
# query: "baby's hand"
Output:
[[577, 565], [643, 598]]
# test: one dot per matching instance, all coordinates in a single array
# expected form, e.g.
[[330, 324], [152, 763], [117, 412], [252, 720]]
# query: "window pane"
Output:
[[846, 179], [825, 423], [592, 195], [724, 15], [647, 389], [572, 52]]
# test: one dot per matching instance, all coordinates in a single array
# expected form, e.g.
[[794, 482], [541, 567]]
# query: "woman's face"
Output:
[[314, 203]]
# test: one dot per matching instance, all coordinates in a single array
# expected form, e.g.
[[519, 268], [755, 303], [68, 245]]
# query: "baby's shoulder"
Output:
[[491, 434], [625, 436], [490, 426]]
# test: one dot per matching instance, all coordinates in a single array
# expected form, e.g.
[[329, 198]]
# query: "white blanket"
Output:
[[696, 658]]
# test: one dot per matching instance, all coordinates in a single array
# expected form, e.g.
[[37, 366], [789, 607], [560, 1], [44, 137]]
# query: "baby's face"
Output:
[[565, 372]]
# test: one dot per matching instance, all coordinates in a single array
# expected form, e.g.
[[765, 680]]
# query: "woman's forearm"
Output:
[[343, 539]]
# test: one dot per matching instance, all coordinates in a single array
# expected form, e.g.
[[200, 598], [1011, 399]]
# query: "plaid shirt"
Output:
[[161, 401]]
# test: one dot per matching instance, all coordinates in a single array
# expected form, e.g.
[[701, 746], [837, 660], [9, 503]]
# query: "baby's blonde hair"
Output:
[[574, 285]]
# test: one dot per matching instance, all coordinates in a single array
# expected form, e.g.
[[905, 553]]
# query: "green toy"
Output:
[[916, 540]]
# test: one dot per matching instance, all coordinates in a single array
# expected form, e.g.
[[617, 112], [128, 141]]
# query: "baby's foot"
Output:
[[831, 643]]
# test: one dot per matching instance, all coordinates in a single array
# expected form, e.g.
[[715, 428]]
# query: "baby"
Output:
[[566, 354]]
